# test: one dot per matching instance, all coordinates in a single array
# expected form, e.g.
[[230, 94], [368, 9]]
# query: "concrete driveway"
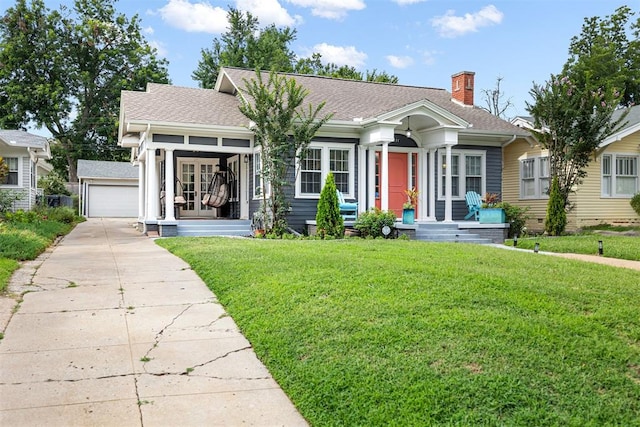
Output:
[[117, 331]]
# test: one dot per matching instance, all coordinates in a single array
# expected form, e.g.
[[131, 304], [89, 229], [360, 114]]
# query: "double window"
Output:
[[316, 165], [468, 171], [534, 178], [619, 175], [12, 176]]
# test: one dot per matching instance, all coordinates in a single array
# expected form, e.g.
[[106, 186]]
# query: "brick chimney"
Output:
[[462, 87]]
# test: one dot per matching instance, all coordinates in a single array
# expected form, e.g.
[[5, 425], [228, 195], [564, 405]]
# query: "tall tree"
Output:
[[65, 71], [494, 98], [572, 121], [245, 45], [283, 130], [607, 54]]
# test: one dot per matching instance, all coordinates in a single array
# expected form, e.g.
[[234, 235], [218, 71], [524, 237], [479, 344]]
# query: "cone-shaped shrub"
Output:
[[556, 220], [328, 219]]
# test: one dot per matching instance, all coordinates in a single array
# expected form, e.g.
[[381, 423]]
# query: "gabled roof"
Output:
[[103, 169], [350, 101], [631, 124], [20, 138]]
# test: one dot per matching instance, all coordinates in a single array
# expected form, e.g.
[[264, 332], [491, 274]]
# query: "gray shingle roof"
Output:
[[632, 119], [103, 169], [20, 138], [346, 99]]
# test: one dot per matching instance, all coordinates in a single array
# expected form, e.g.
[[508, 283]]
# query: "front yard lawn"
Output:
[[623, 247], [378, 332]]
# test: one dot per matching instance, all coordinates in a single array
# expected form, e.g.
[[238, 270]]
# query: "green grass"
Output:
[[7, 267], [376, 332], [623, 247]]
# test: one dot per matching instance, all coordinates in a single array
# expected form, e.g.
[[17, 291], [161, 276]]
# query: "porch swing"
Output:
[[218, 191], [178, 198]]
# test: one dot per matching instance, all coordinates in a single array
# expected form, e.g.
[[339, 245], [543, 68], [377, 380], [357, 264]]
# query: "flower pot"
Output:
[[492, 216], [408, 216]]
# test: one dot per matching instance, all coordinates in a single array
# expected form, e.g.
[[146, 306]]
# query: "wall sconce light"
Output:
[[536, 247], [408, 132], [600, 248], [246, 158]]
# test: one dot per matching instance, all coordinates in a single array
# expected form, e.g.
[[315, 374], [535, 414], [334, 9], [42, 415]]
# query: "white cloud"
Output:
[[399, 61], [429, 57], [330, 9], [160, 47], [450, 25], [341, 55], [269, 12], [148, 30], [194, 17]]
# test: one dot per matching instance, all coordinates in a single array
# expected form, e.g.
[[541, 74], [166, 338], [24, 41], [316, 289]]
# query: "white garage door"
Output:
[[113, 201]]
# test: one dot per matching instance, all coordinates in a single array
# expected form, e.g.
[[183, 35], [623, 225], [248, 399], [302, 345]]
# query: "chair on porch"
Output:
[[348, 210], [474, 202]]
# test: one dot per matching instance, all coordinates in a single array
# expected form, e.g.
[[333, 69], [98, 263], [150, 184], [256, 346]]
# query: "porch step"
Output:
[[216, 227], [448, 233]]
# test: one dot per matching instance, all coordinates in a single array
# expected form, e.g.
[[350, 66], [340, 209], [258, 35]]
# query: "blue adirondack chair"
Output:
[[474, 202], [348, 210]]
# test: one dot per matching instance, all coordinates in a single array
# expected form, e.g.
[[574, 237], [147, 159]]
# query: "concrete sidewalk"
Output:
[[118, 331]]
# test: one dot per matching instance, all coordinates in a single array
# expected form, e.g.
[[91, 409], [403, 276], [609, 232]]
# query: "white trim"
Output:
[[614, 175], [20, 183], [462, 183], [325, 160]]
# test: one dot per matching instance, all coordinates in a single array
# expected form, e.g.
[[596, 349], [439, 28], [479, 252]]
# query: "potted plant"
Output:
[[409, 207], [489, 212]]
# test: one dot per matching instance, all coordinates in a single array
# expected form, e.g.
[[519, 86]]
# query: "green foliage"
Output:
[[370, 223], [246, 45], [53, 184], [65, 72], [329, 222], [7, 267], [60, 214], [405, 333], [516, 217], [635, 203], [7, 198], [27, 235], [556, 219], [282, 130]]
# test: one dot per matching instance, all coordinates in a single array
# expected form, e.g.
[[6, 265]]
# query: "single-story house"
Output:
[[108, 189], [26, 156], [381, 140], [605, 194]]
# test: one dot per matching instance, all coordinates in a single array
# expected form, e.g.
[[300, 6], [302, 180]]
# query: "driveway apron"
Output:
[[115, 330]]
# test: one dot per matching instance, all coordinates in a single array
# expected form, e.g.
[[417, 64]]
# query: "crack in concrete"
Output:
[[227, 354], [158, 337]]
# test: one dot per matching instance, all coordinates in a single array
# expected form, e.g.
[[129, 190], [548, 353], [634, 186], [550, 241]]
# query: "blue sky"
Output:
[[423, 42]]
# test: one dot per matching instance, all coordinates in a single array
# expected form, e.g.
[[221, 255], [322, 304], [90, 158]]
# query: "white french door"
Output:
[[195, 174]]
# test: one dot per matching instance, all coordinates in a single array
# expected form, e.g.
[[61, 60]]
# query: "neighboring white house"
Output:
[[26, 155], [108, 189]]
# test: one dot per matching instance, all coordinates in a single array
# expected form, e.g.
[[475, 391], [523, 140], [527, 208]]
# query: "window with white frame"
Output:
[[258, 183], [619, 175], [534, 178], [12, 176], [467, 173], [318, 162]]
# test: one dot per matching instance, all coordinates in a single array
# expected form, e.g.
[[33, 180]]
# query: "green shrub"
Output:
[[516, 217], [556, 219], [7, 197], [26, 240], [329, 222], [53, 184], [27, 217], [635, 203], [60, 214], [370, 223]]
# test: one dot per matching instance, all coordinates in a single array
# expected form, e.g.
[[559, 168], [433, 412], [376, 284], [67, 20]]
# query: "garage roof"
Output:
[[108, 170]]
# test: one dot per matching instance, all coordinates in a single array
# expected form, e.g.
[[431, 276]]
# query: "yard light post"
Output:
[[600, 248], [536, 247], [515, 240]]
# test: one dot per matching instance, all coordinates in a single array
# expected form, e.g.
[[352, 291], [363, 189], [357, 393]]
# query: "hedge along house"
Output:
[[604, 196], [26, 156], [381, 140]]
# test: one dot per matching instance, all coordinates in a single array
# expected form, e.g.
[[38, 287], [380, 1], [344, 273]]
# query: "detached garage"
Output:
[[108, 189]]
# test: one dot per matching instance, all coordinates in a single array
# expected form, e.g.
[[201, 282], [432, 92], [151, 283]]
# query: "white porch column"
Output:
[[371, 178], [384, 177], [433, 191], [362, 178], [169, 186], [447, 193], [153, 196], [423, 182], [142, 169]]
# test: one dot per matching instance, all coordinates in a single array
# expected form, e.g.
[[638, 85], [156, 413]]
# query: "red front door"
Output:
[[398, 181]]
